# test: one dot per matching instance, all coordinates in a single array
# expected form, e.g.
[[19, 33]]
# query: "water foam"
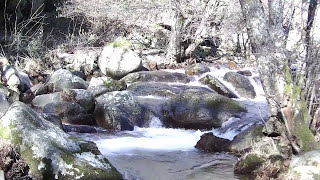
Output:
[[150, 139]]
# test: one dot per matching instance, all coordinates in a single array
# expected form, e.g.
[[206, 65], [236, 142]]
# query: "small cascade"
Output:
[[170, 152]]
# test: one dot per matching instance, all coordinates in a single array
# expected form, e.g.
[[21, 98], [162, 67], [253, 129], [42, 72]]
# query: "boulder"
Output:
[[120, 111], [64, 79], [4, 105], [101, 85], [50, 152], [241, 83], [217, 86], [156, 76], [44, 99], [118, 61], [196, 69], [211, 143], [243, 142], [80, 96], [195, 109], [70, 113], [162, 89], [53, 118]]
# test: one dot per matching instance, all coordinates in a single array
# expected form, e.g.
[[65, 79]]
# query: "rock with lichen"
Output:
[[50, 152], [120, 110]]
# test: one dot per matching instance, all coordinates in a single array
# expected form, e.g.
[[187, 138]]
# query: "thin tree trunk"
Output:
[[174, 49]]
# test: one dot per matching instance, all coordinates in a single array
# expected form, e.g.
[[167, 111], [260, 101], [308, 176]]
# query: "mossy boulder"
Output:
[[101, 85], [249, 163], [196, 69], [241, 83], [217, 86], [50, 152], [119, 110], [156, 76], [194, 109]]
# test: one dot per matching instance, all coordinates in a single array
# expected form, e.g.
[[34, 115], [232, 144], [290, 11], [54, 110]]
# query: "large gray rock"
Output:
[[102, 85], [4, 105], [196, 69], [241, 83], [156, 76], [120, 111], [64, 79], [217, 86], [117, 61], [194, 109], [70, 113], [162, 89], [50, 152], [44, 99]]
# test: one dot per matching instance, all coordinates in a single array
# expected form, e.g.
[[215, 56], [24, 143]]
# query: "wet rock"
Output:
[[70, 113], [102, 85], [120, 111], [42, 100], [156, 76], [217, 86], [4, 104], [81, 129], [245, 73], [117, 61], [212, 143], [162, 89], [194, 109], [241, 83], [243, 142], [64, 79], [196, 69], [50, 152], [11, 162]]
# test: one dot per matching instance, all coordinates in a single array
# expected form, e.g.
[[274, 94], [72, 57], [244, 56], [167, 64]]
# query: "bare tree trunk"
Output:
[[174, 50]]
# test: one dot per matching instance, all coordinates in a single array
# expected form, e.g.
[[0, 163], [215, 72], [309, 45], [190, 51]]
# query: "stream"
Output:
[[158, 153]]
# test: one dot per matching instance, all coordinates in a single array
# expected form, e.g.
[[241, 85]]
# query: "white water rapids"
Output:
[[165, 154]]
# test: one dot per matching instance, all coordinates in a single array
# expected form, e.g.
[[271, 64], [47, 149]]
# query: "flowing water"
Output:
[[158, 153]]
